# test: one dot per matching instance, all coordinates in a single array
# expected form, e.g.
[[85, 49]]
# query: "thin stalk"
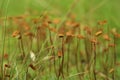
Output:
[[87, 55], [62, 56], [62, 62], [4, 40], [86, 50], [22, 46], [94, 63], [114, 59], [68, 58], [76, 58], [53, 51]]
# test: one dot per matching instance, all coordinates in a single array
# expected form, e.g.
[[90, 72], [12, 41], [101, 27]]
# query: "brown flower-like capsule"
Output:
[[7, 65], [32, 66], [80, 36], [102, 22], [61, 35], [94, 41], [56, 21], [106, 37], [70, 34], [16, 34], [98, 33], [60, 54]]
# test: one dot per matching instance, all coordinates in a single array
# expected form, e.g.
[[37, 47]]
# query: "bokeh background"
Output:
[[86, 10]]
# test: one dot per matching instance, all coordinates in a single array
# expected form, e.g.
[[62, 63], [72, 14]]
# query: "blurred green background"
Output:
[[86, 10]]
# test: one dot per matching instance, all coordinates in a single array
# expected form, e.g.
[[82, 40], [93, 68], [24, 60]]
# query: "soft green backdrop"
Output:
[[85, 9]]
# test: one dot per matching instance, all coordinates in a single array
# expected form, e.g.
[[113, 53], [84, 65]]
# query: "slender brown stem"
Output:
[[86, 50], [94, 63], [68, 58], [114, 59], [76, 58], [62, 56], [53, 51], [3, 51], [62, 62], [38, 39], [22, 46]]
